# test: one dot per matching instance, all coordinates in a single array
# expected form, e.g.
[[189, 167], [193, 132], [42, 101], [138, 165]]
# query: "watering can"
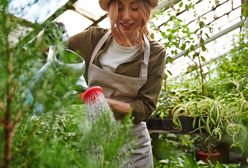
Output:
[[68, 64], [66, 61]]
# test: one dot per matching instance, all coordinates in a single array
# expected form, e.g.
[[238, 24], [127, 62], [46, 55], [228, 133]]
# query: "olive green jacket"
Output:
[[145, 102]]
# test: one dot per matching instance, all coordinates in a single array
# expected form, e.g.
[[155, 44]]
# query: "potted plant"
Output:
[[162, 117], [164, 110], [221, 119], [185, 112], [184, 115], [207, 149], [211, 115], [154, 123], [160, 120]]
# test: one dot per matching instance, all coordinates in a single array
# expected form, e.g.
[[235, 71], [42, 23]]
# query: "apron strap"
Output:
[[99, 45], [145, 60]]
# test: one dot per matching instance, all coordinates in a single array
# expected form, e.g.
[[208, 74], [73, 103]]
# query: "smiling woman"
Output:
[[129, 21], [127, 65]]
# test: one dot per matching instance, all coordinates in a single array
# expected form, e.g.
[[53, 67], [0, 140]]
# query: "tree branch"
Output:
[[17, 117], [1, 121]]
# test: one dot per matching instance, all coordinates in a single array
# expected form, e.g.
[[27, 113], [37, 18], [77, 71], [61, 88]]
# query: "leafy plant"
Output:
[[41, 119]]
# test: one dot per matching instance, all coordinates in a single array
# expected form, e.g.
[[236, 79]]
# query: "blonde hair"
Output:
[[144, 11]]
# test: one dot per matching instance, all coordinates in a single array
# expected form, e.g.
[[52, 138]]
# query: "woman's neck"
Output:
[[126, 42]]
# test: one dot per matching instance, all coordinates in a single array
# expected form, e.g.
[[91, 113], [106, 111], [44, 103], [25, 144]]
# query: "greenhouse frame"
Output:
[[201, 116]]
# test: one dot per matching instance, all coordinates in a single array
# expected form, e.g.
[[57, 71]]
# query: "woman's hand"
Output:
[[119, 106]]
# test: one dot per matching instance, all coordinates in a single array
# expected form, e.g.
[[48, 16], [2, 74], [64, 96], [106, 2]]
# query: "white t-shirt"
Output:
[[116, 55]]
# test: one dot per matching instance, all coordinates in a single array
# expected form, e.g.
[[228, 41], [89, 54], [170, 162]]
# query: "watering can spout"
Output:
[[91, 94]]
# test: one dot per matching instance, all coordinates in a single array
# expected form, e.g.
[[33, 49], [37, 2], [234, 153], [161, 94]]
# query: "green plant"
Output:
[[221, 119], [166, 102], [40, 122], [178, 37], [187, 109], [60, 139]]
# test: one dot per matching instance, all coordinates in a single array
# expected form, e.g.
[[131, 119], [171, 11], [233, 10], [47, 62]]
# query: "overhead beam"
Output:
[[38, 28], [214, 37], [166, 4]]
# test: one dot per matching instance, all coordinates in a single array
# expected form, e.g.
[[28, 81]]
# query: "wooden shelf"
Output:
[[159, 131]]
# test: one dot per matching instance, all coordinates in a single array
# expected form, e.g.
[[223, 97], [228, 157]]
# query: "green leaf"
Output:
[[169, 59], [169, 72], [180, 4], [207, 35], [192, 48], [203, 58], [204, 48], [202, 41], [183, 46], [163, 34], [196, 54], [152, 35], [201, 24]]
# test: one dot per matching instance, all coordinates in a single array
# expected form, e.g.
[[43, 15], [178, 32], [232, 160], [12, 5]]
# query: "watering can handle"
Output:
[[50, 58], [79, 67]]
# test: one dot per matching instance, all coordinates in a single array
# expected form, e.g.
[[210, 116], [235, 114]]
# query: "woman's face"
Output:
[[129, 19]]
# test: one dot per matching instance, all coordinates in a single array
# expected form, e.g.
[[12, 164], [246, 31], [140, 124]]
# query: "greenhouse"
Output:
[[124, 83]]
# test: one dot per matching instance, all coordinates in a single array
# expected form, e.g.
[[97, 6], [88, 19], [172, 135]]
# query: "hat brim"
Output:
[[104, 4]]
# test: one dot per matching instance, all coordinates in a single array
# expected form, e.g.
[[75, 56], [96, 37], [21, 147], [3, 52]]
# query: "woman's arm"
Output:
[[145, 102]]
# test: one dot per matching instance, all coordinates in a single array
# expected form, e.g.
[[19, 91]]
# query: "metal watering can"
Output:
[[67, 63]]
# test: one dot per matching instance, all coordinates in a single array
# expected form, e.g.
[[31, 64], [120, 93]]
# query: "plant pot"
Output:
[[166, 124], [154, 123], [224, 149], [208, 156], [186, 123]]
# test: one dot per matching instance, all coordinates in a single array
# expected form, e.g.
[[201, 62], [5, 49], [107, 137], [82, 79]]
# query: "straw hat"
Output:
[[105, 3]]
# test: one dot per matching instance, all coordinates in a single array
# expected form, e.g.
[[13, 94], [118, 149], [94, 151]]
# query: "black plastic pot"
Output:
[[186, 123], [166, 124], [154, 123]]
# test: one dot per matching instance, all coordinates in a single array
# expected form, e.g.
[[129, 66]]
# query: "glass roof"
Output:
[[217, 14], [84, 13], [35, 11]]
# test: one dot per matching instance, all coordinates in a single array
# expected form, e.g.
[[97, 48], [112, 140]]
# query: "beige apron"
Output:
[[125, 88]]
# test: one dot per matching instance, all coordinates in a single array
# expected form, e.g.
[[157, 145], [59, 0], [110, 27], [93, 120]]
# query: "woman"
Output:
[[127, 65]]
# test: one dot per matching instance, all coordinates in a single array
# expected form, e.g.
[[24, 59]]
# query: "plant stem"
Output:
[[7, 123], [202, 76]]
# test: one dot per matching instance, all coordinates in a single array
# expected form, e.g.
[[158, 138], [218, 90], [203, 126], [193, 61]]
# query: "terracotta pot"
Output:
[[206, 156]]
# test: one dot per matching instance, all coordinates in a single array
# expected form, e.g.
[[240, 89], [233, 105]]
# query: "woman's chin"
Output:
[[128, 33]]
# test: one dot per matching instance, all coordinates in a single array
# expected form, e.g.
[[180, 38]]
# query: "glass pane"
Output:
[[75, 25], [35, 11]]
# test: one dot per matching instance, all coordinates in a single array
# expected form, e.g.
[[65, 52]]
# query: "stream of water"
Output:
[[96, 104]]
